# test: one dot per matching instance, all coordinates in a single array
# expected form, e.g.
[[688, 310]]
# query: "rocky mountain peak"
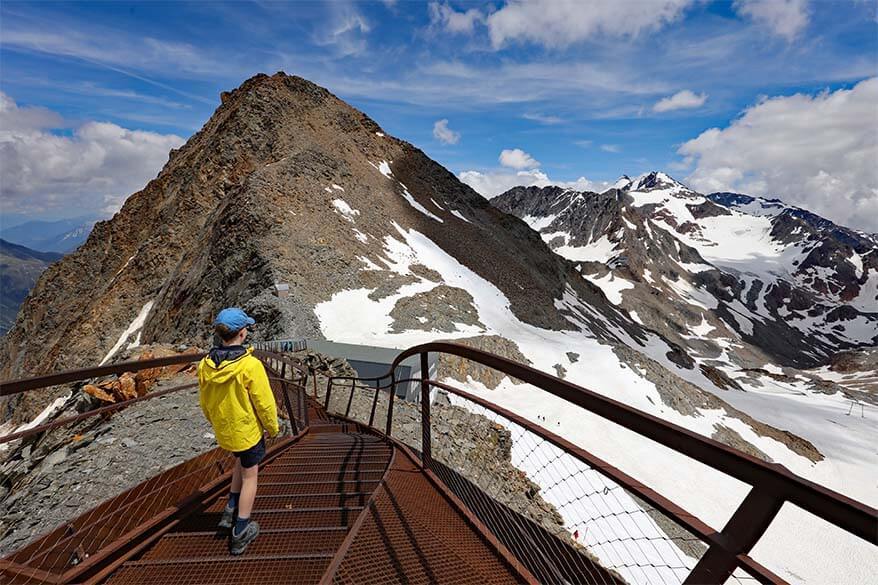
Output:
[[655, 180], [622, 182], [286, 183]]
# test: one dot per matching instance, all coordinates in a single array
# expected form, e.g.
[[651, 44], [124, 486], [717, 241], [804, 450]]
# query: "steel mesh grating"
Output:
[[412, 535], [271, 542], [302, 525], [223, 570]]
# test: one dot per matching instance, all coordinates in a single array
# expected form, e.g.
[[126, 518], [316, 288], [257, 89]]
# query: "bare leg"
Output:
[[236, 477], [249, 477]]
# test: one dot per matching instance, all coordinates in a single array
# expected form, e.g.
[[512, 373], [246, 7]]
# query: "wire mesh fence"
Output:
[[562, 518]]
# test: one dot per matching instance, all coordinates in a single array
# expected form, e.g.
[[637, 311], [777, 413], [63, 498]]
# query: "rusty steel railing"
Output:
[[715, 555], [81, 545], [351, 384], [291, 376]]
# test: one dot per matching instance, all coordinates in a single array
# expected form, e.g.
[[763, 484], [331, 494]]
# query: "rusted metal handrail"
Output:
[[10, 387], [728, 549], [330, 383], [279, 364], [280, 358], [90, 413]]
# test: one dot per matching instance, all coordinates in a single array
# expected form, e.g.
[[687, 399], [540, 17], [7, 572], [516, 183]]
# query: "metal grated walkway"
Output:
[[309, 497]]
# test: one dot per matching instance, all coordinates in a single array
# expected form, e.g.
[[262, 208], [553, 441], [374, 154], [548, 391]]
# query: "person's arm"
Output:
[[262, 396]]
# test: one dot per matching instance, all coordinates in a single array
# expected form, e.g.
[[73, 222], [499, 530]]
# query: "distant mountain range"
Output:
[[61, 236], [20, 268], [705, 269]]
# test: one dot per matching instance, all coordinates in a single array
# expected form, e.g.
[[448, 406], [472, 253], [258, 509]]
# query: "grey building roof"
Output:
[[365, 353]]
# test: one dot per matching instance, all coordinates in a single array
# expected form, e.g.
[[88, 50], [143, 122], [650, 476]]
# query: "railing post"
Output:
[[426, 451], [347, 411], [742, 531], [302, 394], [289, 405], [389, 426], [374, 404], [304, 398], [283, 370], [328, 392]]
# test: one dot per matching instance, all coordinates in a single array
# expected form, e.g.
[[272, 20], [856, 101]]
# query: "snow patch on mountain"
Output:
[[600, 250], [411, 200], [134, 327], [346, 210], [611, 285]]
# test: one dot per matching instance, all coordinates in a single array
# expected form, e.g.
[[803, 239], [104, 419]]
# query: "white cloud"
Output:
[[517, 159], [13, 118], [94, 169], [120, 53], [560, 23], [444, 134], [818, 152], [681, 100], [345, 32], [786, 18], [542, 118], [614, 148], [448, 19], [491, 184]]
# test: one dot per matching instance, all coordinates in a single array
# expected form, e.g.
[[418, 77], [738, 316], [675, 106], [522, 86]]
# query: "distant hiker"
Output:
[[237, 400]]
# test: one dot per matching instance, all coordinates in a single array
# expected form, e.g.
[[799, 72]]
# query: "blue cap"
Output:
[[233, 318]]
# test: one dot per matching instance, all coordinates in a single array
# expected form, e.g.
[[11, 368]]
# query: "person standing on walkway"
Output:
[[236, 398]]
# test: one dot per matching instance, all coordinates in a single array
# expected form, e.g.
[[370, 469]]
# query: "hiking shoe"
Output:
[[240, 541], [228, 518]]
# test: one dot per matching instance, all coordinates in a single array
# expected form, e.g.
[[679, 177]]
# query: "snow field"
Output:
[[601, 250], [611, 285], [539, 223]]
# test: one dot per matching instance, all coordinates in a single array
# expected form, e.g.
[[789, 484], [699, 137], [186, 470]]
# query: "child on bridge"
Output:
[[236, 398]]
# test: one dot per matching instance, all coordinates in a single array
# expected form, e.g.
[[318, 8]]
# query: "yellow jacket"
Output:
[[237, 400]]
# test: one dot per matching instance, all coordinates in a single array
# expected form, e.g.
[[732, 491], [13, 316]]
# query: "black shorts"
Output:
[[253, 455]]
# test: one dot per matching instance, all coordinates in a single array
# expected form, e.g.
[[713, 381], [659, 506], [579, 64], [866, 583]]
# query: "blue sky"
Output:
[[574, 85]]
